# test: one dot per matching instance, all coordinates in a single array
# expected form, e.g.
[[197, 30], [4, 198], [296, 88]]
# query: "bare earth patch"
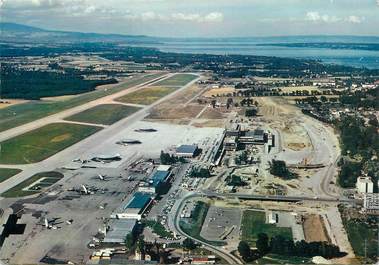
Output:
[[314, 229], [4, 103], [61, 138]]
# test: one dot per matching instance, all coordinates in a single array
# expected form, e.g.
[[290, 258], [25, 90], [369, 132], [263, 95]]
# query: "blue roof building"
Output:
[[139, 201], [159, 177]]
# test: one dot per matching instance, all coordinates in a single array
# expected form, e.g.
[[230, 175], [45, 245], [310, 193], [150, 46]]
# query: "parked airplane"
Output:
[[128, 142], [51, 224], [102, 177]]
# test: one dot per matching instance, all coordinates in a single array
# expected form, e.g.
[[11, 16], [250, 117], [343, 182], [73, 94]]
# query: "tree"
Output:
[[235, 180], [200, 173], [251, 112], [244, 250], [129, 240], [323, 99], [262, 243], [189, 244], [279, 169]]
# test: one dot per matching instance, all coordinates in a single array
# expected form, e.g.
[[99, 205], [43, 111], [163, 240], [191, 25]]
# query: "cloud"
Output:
[[354, 19], [38, 4], [189, 17], [317, 17]]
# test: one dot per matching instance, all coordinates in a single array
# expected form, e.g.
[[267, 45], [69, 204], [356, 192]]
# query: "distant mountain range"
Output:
[[12, 32]]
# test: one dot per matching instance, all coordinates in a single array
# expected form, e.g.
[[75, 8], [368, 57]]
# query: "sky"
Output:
[[199, 18]]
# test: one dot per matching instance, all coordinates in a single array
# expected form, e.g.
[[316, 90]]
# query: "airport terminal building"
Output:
[[134, 208]]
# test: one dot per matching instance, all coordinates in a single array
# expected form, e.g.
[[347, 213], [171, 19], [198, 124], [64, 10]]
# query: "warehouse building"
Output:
[[118, 229], [135, 208], [186, 151], [253, 137]]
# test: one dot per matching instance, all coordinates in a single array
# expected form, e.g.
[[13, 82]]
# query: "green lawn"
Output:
[[158, 228], [6, 173], [193, 226], [104, 114], [177, 80], [147, 95], [253, 223], [358, 232], [17, 115], [17, 191], [39, 144]]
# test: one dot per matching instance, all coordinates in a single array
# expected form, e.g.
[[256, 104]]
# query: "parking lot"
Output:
[[221, 224]]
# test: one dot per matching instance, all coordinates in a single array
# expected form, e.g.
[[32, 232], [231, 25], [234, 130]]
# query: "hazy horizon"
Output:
[[199, 19]]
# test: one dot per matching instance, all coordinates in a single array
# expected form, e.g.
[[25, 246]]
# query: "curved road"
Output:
[[231, 259]]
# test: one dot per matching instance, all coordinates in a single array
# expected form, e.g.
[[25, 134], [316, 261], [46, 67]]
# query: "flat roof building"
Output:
[[364, 185], [256, 136], [134, 208], [119, 229], [186, 150], [159, 177], [371, 202]]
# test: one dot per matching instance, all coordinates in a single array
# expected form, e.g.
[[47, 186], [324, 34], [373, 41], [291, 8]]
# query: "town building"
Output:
[[371, 202], [364, 185]]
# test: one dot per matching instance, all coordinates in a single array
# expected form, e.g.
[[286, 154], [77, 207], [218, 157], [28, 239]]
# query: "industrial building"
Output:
[[186, 151], [134, 208], [118, 230], [230, 143], [253, 137], [364, 185]]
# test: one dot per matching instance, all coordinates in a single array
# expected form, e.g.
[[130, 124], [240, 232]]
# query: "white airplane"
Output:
[[50, 224], [103, 177], [85, 191]]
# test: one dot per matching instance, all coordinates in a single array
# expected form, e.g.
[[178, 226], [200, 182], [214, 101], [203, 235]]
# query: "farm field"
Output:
[[41, 143], [20, 190], [104, 114], [147, 95], [177, 80], [253, 223], [6, 173], [20, 114]]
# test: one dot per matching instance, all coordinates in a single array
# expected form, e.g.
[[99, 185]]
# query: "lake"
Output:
[[357, 58]]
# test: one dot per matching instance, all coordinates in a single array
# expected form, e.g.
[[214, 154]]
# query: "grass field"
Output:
[[253, 223], [19, 114], [358, 232], [39, 144], [18, 190], [177, 80], [6, 173], [158, 228], [193, 226], [147, 95], [104, 114]]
